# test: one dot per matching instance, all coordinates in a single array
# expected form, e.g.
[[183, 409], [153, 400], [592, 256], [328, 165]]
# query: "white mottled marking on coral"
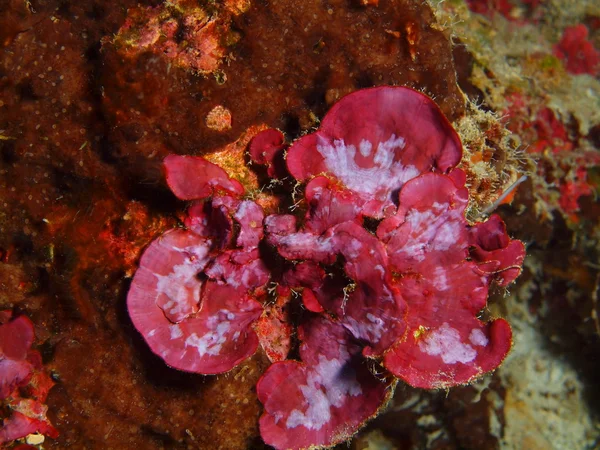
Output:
[[217, 271], [446, 235], [178, 284], [176, 332], [440, 281], [250, 270], [376, 182], [445, 342], [317, 414], [352, 248], [365, 148], [250, 216], [175, 287], [372, 329], [303, 245], [477, 337], [435, 229], [328, 384], [376, 330], [212, 341], [243, 210], [418, 220], [306, 240]]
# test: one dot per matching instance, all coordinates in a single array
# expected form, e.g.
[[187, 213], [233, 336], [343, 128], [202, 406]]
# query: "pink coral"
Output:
[[323, 399], [551, 133], [24, 385], [489, 7], [571, 190], [564, 177], [372, 142], [390, 273], [195, 325], [445, 285]]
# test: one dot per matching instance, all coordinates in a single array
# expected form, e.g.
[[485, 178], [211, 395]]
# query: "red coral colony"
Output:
[[390, 274]]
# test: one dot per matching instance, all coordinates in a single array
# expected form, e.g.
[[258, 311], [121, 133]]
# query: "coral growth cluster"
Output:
[[376, 268], [24, 385]]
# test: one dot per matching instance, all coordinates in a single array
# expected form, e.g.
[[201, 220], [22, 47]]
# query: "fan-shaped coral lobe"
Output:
[[322, 400], [164, 304], [329, 204], [429, 224], [375, 140], [194, 325], [496, 254], [167, 272], [192, 178], [266, 148], [428, 242]]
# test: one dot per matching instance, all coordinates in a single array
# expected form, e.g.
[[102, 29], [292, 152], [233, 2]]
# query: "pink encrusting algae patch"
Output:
[[16, 338], [274, 329], [179, 31], [389, 273]]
